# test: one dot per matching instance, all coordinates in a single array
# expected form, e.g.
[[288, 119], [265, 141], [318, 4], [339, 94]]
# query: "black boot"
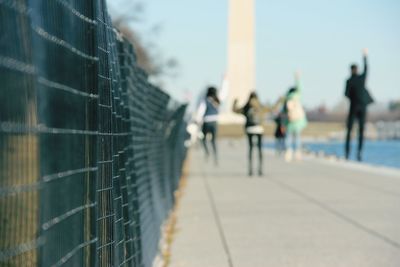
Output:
[[359, 156], [250, 164], [250, 173], [346, 154]]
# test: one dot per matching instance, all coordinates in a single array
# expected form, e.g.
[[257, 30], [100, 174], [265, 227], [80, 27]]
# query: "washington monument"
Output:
[[241, 54]]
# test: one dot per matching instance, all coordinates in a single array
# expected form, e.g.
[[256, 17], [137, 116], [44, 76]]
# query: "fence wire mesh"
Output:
[[90, 152]]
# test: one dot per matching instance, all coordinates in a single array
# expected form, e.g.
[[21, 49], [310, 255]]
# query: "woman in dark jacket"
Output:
[[280, 132], [254, 113]]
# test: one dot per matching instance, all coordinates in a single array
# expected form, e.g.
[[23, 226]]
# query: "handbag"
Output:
[[367, 98]]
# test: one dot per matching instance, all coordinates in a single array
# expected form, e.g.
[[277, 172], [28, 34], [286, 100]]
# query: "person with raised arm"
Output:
[[296, 121], [208, 116], [254, 113], [359, 98]]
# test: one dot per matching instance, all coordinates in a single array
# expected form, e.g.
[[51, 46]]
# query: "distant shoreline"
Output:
[[313, 129], [321, 130]]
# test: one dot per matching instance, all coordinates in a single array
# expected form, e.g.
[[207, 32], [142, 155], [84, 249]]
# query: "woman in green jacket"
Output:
[[296, 121]]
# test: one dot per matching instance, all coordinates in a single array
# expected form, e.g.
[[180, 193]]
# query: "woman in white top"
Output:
[[210, 117]]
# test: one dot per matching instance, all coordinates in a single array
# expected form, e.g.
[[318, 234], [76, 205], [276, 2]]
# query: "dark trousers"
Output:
[[359, 113], [260, 156], [210, 128]]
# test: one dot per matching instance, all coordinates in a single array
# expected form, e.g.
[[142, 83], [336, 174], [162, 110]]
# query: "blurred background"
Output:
[[184, 46]]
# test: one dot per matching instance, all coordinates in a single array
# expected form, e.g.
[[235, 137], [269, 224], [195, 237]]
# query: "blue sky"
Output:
[[319, 37]]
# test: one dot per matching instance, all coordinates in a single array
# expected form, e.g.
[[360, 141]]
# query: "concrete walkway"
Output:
[[311, 213]]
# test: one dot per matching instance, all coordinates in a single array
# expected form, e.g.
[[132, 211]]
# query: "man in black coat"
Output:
[[359, 100]]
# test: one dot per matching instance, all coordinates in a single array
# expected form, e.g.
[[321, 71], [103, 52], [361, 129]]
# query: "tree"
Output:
[[125, 21]]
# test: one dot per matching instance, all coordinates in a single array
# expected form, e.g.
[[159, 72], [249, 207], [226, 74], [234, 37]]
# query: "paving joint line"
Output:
[[218, 220], [336, 213], [365, 186]]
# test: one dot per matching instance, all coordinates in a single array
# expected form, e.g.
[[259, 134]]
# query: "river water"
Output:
[[380, 152]]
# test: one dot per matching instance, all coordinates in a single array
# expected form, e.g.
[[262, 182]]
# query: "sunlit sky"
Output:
[[319, 37]]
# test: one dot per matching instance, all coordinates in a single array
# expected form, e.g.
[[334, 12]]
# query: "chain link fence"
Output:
[[90, 152]]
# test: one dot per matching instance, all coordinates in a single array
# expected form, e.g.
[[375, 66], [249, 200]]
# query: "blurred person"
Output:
[[280, 132], [254, 112], [295, 121], [208, 116], [359, 98]]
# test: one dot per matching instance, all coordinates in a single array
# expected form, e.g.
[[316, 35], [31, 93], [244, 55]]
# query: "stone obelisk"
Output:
[[241, 55]]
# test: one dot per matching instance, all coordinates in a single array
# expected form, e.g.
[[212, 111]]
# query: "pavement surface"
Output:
[[316, 212]]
